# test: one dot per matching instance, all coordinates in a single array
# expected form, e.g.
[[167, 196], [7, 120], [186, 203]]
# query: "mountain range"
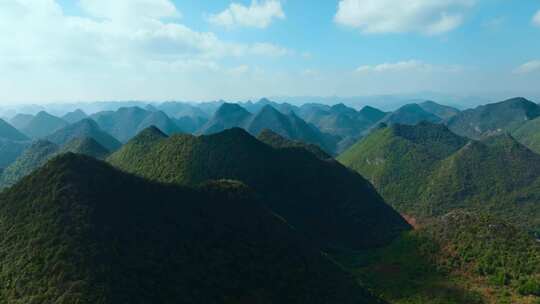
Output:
[[295, 184], [88, 233], [426, 170]]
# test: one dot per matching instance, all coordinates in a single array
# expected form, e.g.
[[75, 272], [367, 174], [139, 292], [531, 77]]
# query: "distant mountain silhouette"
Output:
[[494, 118], [84, 128], [43, 124]]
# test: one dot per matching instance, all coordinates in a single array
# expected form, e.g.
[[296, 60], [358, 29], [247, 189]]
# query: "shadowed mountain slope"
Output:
[[331, 204], [87, 233]]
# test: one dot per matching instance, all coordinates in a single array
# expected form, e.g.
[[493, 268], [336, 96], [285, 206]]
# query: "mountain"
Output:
[[529, 134], [442, 111], [10, 150], [84, 128], [85, 146], [43, 124], [497, 174], [190, 124], [295, 184], [504, 116], [35, 156], [289, 126], [343, 122], [75, 116], [398, 158], [125, 123], [87, 233], [277, 141], [180, 109], [160, 120], [372, 114], [410, 114], [20, 121], [8, 132], [228, 115], [426, 171]]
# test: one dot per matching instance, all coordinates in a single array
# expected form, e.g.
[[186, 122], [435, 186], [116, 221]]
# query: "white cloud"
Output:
[[429, 17], [128, 9], [258, 14], [407, 66], [536, 19], [528, 67]]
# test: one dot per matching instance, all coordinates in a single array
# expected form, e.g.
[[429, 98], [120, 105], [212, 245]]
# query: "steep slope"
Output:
[[43, 124], [277, 141], [289, 126], [86, 146], [343, 122], [20, 121], [78, 231], [372, 114], [161, 121], [332, 205], [10, 150], [134, 151], [498, 175], [529, 134], [123, 123], [427, 171], [75, 116], [494, 118], [398, 158], [84, 128], [190, 124], [442, 111], [410, 114], [229, 115], [32, 158], [10, 133]]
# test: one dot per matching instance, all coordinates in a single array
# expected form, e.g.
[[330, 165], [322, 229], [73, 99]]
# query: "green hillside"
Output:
[[504, 116], [398, 159], [86, 146], [84, 128], [426, 171], [79, 231], [294, 183], [32, 158], [8, 132], [227, 116], [529, 134], [410, 114], [442, 111], [161, 121], [10, 150], [277, 141], [458, 258]]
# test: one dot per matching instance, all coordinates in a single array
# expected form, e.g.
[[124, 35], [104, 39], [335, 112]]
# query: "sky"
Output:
[[157, 50]]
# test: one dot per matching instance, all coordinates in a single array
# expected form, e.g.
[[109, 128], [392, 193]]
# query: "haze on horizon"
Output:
[[88, 50]]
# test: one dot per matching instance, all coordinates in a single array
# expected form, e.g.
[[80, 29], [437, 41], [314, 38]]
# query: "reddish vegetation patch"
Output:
[[411, 220]]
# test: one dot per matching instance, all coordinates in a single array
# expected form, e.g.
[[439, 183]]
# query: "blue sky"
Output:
[[71, 50]]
